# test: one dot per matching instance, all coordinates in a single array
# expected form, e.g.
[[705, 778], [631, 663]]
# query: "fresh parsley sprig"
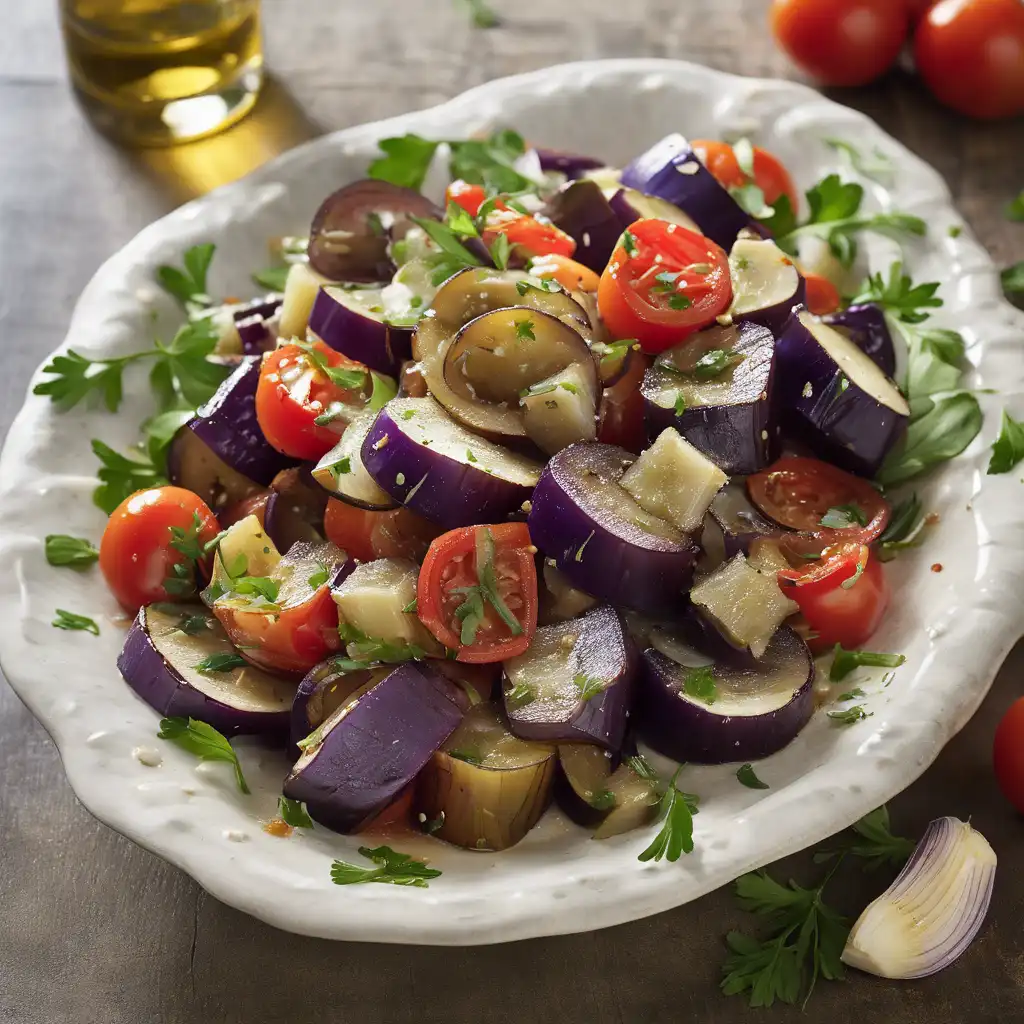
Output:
[[121, 475], [73, 621], [1013, 284], [188, 283], [472, 613], [844, 662], [1008, 447], [203, 741], [676, 811], [294, 813], [364, 650], [875, 165], [226, 662], [699, 683], [835, 215], [73, 552], [875, 844], [392, 867], [899, 296]]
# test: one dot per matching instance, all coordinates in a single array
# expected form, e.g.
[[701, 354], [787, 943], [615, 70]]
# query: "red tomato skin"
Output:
[[841, 42], [770, 176], [290, 641], [970, 53], [367, 535], [530, 237], [469, 197], [822, 295], [1008, 754], [135, 552], [834, 613], [287, 422], [509, 539], [627, 314]]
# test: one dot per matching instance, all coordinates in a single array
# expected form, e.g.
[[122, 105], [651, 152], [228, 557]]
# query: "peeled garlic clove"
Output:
[[933, 910]]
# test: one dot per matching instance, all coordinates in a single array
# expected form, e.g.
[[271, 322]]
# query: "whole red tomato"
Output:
[[1008, 754], [841, 42], [971, 55]]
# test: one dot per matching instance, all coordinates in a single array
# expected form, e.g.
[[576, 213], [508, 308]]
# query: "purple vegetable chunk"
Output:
[[581, 210], [865, 325]]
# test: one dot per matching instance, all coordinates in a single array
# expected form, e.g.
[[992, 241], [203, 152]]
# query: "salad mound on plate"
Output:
[[485, 498]]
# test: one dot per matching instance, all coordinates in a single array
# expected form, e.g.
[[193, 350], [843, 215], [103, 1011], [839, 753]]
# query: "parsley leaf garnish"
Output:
[[1013, 284], [1015, 211], [349, 380], [202, 740], [294, 813], [73, 552], [471, 613], [500, 250], [480, 14], [520, 694], [227, 662], [524, 330], [273, 279], [70, 620], [746, 775], [363, 649], [405, 162], [804, 942], [842, 517], [676, 836], [589, 686], [876, 166], [850, 715], [905, 530], [878, 846], [835, 216], [699, 683], [392, 867], [844, 661], [1008, 447], [320, 577], [899, 295], [120, 476], [188, 283]]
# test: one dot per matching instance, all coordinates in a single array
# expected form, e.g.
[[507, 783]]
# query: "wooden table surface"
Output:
[[94, 929]]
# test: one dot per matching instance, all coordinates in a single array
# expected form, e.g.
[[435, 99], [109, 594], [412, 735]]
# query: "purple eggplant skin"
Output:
[[823, 407], [741, 437], [358, 333], [865, 325], [686, 730], [165, 690], [321, 690], [348, 239], [740, 521], [377, 748], [251, 324], [439, 488], [227, 425], [608, 556], [672, 171], [603, 650], [572, 165], [581, 210], [295, 510]]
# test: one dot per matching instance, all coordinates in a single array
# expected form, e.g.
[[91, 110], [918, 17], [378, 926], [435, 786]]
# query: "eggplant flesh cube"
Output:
[[744, 603], [561, 410], [836, 398], [674, 481], [374, 596]]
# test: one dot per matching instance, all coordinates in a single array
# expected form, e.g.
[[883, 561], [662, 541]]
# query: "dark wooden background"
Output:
[[93, 929]]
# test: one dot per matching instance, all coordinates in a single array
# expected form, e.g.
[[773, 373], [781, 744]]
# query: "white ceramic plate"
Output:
[[955, 626]]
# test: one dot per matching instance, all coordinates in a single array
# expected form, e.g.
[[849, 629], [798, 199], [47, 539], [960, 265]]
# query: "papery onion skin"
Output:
[[929, 916]]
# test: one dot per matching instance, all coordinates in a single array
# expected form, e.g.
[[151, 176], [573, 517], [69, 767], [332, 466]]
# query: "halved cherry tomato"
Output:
[[572, 276], [662, 283], [843, 596], [971, 55], [528, 235], [621, 419], [293, 392], [822, 295], [797, 492], [769, 174], [469, 197], [369, 535], [292, 639], [841, 42], [477, 591], [1008, 754], [136, 553]]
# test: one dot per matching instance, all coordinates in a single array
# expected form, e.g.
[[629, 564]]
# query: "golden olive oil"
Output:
[[156, 72]]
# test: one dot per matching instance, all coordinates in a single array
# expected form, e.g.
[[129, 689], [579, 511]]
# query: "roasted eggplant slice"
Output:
[[341, 472], [835, 398], [738, 713], [601, 539], [718, 390], [179, 660], [865, 325], [437, 468], [765, 283], [575, 683], [324, 689], [485, 788], [295, 509], [581, 210], [373, 745]]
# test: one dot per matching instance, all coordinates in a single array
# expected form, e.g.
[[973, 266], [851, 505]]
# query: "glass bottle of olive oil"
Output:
[[157, 72]]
